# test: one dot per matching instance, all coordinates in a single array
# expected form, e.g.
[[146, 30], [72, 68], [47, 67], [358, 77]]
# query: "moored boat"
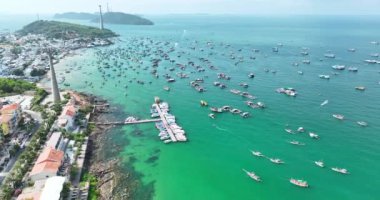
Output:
[[313, 135], [338, 116], [252, 175], [340, 170], [362, 123], [257, 153], [320, 163], [299, 183], [276, 160]]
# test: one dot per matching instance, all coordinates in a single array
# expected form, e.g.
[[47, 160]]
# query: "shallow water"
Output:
[[210, 165]]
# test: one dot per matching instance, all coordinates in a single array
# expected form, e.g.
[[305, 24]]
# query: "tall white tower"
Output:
[[54, 84], [101, 17]]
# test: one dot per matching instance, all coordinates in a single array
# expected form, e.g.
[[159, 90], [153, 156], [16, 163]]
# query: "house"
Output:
[[10, 117], [67, 118], [47, 164], [49, 189]]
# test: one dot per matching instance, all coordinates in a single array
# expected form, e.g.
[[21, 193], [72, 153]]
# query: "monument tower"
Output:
[[54, 84]]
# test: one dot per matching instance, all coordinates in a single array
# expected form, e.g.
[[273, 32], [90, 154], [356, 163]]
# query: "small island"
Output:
[[108, 17], [64, 30]]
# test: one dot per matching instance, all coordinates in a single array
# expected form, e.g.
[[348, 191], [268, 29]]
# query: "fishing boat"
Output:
[[257, 153], [203, 103], [276, 161], [167, 88], [324, 76], [299, 183], [297, 143], [211, 115], [252, 175], [235, 111], [289, 131], [353, 69], [340, 170], [313, 135], [338, 116], [329, 55], [301, 129], [226, 108], [300, 72], [338, 67], [360, 88], [319, 163], [361, 123], [245, 114]]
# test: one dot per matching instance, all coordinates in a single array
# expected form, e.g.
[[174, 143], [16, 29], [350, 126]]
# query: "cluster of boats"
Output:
[[169, 129], [341, 117], [288, 91], [297, 182], [223, 109], [321, 164]]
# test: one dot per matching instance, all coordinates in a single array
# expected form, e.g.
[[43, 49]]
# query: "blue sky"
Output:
[[258, 7]]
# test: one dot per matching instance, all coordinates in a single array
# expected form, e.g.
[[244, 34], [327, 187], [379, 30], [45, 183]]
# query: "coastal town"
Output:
[[43, 151], [44, 134], [24, 55]]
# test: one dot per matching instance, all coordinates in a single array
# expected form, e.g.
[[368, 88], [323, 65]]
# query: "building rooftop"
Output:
[[49, 161]]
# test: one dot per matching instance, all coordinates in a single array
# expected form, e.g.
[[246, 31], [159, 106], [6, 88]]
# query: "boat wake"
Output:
[[221, 129]]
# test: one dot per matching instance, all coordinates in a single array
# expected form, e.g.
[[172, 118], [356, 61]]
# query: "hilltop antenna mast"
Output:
[[101, 18]]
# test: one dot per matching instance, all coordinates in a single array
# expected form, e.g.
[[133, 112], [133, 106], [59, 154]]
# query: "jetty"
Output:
[[165, 122], [129, 122], [169, 129]]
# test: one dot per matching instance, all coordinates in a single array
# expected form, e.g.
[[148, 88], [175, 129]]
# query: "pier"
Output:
[[165, 123], [129, 123]]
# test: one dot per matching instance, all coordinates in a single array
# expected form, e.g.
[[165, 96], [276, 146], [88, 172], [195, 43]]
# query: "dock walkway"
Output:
[[165, 123], [129, 123]]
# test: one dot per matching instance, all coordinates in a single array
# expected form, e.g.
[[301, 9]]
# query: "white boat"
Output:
[[361, 123], [325, 102], [329, 55], [313, 135], [320, 163], [297, 143], [338, 116], [252, 175], [353, 69], [339, 67], [301, 129], [340, 170], [212, 116], [276, 161], [299, 183], [289, 131], [257, 153], [324, 76], [300, 72], [360, 88]]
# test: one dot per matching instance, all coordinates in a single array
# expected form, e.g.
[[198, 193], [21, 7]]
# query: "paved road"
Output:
[[13, 160]]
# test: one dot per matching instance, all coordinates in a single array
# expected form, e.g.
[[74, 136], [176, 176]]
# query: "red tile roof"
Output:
[[49, 161]]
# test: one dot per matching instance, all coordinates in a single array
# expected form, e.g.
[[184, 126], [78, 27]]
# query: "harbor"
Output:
[[164, 121]]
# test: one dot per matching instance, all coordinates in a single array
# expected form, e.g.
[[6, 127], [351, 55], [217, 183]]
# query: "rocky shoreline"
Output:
[[107, 171]]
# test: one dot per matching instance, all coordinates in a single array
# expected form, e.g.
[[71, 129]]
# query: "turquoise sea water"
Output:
[[210, 165]]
